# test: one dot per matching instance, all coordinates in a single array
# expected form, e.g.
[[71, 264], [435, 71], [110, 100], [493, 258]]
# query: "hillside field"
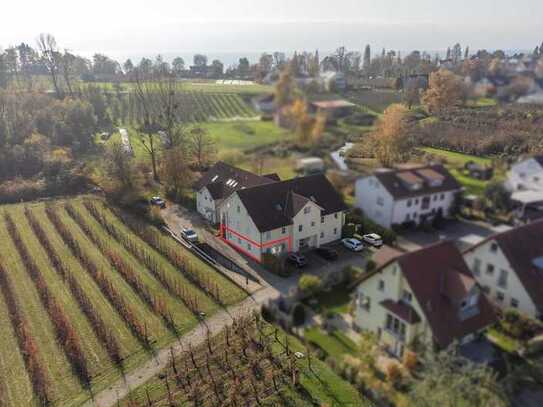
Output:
[[86, 293]]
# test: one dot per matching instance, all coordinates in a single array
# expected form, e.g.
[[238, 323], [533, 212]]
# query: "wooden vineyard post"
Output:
[[149, 402]]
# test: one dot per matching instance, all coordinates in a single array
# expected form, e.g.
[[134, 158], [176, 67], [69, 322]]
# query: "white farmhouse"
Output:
[[509, 267], [396, 196], [219, 183], [428, 297], [526, 175], [281, 217]]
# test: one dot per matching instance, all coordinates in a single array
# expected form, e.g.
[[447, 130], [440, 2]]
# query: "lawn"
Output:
[[458, 159], [93, 241], [455, 163], [335, 343], [245, 135]]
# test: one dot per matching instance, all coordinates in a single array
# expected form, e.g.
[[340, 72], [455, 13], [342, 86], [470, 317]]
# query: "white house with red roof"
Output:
[[509, 268], [429, 296]]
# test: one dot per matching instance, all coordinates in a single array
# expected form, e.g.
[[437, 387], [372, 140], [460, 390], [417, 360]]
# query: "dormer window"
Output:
[[494, 247], [307, 210]]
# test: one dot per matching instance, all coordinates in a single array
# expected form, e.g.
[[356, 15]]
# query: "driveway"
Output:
[[452, 230], [178, 217], [322, 267]]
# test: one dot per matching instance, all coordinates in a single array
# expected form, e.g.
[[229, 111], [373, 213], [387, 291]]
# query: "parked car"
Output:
[[158, 201], [297, 259], [373, 239], [189, 235], [354, 245], [327, 254]]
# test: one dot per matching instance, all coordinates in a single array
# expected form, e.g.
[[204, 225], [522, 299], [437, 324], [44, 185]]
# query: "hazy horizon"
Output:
[[124, 29]]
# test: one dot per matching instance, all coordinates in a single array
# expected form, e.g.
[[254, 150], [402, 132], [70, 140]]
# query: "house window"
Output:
[[407, 296], [238, 209], [381, 285], [435, 197], [380, 201], [442, 197], [502, 279], [490, 269], [486, 289], [312, 224], [300, 228], [307, 210], [335, 231], [477, 267], [322, 235], [335, 215], [500, 296], [239, 240], [283, 230], [494, 247], [249, 246], [365, 302], [322, 219], [416, 201], [409, 203], [395, 326], [514, 303], [407, 217]]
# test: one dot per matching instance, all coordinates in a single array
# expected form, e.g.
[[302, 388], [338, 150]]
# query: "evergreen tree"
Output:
[[367, 58]]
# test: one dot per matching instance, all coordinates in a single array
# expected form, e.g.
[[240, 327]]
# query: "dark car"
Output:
[[327, 254], [158, 201], [297, 259]]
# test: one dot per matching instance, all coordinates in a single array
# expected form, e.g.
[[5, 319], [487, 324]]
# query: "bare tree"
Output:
[[202, 146], [51, 57], [67, 66], [149, 127], [120, 166]]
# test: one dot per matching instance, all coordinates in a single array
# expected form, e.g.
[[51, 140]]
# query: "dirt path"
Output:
[[216, 323]]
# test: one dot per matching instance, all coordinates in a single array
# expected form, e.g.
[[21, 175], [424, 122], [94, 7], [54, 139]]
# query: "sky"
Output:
[[137, 27]]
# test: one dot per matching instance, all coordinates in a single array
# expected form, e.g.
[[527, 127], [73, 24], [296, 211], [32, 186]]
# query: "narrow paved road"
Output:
[[215, 324]]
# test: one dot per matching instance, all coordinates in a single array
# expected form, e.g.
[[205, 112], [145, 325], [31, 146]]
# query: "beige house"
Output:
[[509, 268], [423, 297], [282, 217]]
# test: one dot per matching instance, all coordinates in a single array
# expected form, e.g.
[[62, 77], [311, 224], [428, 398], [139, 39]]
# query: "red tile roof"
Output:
[[521, 246], [439, 276]]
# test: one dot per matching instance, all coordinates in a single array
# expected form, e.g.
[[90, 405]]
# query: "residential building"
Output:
[[280, 217], [526, 175], [509, 268], [410, 195], [424, 297], [333, 109], [219, 183]]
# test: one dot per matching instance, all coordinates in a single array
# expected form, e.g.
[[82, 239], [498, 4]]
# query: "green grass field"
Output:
[[455, 163], [63, 383], [335, 343]]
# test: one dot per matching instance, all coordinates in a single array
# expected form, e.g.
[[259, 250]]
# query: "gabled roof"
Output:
[[222, 179], [439, 278], [438, 275], [521, 246], [272, 205], [394, 181]]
